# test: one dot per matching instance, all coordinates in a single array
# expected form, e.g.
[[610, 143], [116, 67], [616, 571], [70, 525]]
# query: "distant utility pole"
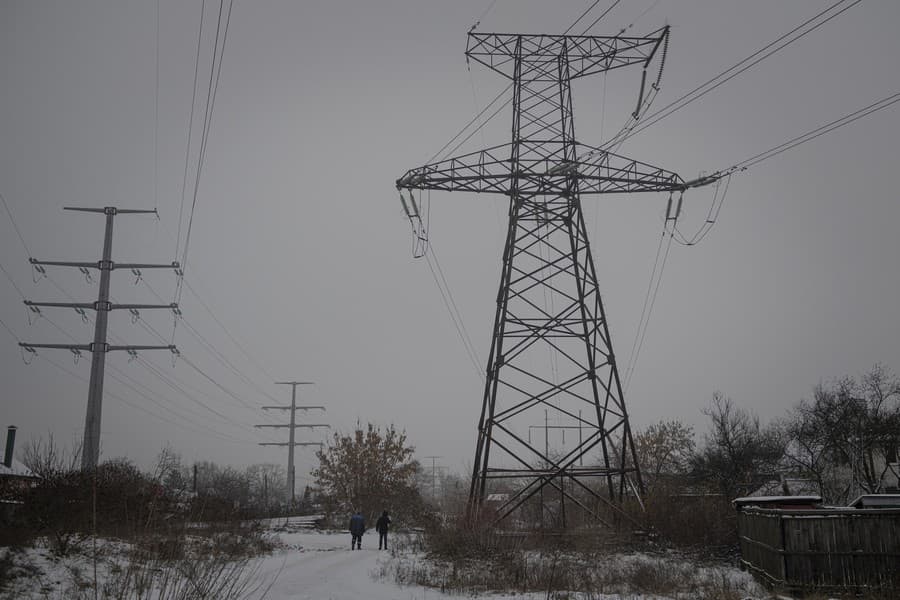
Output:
[[547, 427], [291, 444], [434, 475], [91, 447]]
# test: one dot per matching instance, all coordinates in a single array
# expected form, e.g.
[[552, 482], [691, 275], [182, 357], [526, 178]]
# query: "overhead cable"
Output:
[[633, 363], [187, 155], [750, 61], [212, 92], [454, 317], [15, 226], [885, 102], [598, 19]]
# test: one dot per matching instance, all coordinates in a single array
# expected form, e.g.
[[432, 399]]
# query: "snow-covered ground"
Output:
[[309, 565]]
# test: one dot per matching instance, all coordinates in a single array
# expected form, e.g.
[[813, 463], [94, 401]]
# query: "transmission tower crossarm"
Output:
[[489, 171], [290, 408], [586, 54]]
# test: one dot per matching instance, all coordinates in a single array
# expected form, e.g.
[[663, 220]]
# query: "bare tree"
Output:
[[848, 434], [46, 458], [738, 452]]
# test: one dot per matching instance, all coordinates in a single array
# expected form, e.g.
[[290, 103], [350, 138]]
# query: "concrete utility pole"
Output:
[[291, 444], [91, 447]]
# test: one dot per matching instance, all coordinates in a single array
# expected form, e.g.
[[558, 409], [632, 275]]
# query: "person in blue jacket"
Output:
[[357, 529]]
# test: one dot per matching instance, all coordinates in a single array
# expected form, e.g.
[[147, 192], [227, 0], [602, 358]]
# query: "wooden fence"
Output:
[[822, 548]]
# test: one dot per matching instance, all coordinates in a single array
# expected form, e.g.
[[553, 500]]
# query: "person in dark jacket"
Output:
[[381, 526], [357, 529]]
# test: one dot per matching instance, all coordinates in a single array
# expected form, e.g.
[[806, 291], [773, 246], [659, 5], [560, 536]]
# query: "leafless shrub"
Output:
[[46, 458], [142, 576]]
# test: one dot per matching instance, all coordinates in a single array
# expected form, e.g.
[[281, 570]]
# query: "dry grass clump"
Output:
[[203, 562], [474, 561]]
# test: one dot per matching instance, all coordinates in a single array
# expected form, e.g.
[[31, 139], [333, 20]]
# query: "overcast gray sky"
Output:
[[301, 249]]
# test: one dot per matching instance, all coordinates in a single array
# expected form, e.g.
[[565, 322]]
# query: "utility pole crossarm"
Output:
[[97, 306], [320, 444], [586, 54], [102, 265], [112, 210], [290, 408], [546, 172], [133, 348], [295, 425], [98, 347]]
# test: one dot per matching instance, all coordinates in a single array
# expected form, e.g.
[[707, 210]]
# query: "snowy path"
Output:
[[321, 566]]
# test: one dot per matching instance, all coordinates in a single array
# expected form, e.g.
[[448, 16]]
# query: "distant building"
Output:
[[14, 478], [12, 469], [787, 486]]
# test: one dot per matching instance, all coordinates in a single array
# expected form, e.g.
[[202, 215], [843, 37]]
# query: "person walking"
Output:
[[381, 526], [357, 529]]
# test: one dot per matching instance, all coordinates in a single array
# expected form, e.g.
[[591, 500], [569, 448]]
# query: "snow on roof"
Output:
[[877, 501], [783, 500], [17, 469]]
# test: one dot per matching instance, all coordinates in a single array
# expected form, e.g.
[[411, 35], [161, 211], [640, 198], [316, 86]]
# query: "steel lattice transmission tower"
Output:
[[548, 303]]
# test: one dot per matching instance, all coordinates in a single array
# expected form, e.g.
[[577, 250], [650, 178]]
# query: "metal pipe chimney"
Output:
[[10, 445]]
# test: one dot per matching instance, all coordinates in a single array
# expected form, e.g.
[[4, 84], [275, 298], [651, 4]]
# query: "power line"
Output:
[[16, 227], [187, 155], [817, 132], [156, 120], [10, 331], [598, 19], [741, 66], [468, 339], [640, 345], [142, 408], [472, 122], [586, 11], [212, 92], [248, 355], [712, 216], [483, 15], [12, 281], [453, 317]]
